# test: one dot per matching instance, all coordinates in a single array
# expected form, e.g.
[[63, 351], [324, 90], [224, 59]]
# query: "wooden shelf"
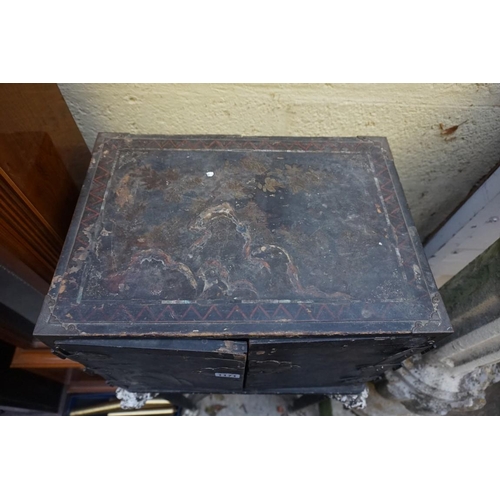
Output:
[[41, 361], [35, 359]]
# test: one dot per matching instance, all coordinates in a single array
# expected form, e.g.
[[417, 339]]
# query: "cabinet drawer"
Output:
[[149, 365]]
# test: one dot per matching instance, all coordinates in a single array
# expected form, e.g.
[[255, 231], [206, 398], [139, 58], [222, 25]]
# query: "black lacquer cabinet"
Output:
[[241, 264]]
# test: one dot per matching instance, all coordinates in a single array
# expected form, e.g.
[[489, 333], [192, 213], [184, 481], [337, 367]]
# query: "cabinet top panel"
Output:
[[242, 236]]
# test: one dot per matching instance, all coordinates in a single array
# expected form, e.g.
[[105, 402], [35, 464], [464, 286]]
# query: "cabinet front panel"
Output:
[[294, 363], [162, 365]]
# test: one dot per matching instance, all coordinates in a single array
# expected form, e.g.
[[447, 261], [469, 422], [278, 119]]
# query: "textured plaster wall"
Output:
[[437, 164]]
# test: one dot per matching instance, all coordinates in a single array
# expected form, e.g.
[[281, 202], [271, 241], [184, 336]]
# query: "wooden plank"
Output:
[[30, 359], [144, 413]]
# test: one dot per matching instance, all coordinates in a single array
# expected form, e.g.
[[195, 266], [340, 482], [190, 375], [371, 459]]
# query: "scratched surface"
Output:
[[290, 234], [154, 365], [259, 226]]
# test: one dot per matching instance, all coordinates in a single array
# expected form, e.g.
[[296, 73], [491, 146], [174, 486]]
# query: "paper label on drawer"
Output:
[[227, 375]]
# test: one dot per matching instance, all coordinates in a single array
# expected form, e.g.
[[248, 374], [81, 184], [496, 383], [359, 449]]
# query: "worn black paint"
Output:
[[285, 238], [154, 365], [293, 363]]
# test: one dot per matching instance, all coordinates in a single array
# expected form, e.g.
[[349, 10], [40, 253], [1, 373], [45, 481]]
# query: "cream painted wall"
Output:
[[436, 170]]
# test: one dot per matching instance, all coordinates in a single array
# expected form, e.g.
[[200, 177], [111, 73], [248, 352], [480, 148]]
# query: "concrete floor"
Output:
[[380, 406], [260, 405], [275, 405], [491, 408]]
